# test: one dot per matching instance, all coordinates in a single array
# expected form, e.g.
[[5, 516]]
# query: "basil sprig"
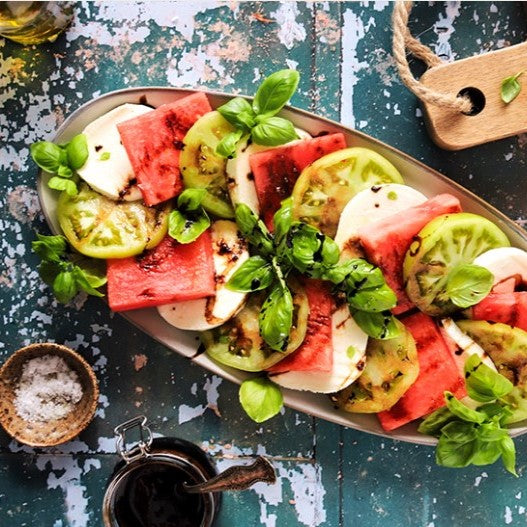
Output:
[[474, 437], [62, 160], [296, 246], [260, 398], [189, 220], [258, 120], [468, 284], [67, 274]]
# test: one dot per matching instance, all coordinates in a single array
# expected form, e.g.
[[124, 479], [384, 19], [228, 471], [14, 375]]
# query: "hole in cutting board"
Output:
[[476, 98]]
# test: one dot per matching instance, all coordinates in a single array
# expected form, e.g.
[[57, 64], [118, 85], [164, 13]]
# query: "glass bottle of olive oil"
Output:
[[34, 22]]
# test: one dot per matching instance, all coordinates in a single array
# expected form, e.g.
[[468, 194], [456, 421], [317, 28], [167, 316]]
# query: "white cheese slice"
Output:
[[108, 169], [372, 204], [467, 347], [240, 180], [229, 252], [349, 350], [504, 262]]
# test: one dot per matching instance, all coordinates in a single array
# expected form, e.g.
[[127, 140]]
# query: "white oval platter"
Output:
[[415, 174]]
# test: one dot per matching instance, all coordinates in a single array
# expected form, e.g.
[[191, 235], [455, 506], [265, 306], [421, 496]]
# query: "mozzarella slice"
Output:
[[504, 263], [372, 204], [108, 169], [229, 252], [240, 180], [466, 346], [349, 350]]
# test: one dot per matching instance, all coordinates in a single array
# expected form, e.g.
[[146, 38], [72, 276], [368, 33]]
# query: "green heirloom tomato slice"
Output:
[[103, 228], [238, 343], [325, 187], [391, 368], [201, 167], [444, 243]]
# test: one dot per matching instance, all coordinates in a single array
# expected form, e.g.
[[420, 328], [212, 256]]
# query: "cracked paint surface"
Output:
[[328, 476]]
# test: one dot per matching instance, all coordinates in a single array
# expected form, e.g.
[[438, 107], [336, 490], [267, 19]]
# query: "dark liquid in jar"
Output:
[[152, 496]]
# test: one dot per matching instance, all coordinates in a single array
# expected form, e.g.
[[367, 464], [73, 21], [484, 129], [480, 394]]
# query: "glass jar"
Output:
[[34, 22], [145, 489]]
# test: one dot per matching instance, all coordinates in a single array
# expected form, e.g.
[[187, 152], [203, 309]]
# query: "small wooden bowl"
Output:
[[53, 432]]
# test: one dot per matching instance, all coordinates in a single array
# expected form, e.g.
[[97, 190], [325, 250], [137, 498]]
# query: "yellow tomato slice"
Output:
[[102, 228]]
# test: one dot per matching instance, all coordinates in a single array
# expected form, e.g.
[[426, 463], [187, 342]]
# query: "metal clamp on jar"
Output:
[[147, 488]]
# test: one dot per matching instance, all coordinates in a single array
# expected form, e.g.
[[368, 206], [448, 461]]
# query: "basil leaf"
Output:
[[468, 284], [50, 248], [62, 184], [275, 91], [282, 220], [373, 300], [274, 131], [77, 151], [455, 454], [260, 398], [227, 146], [48, 271], [254, 274], [253, 229], [488, 432], [190, 199], [64, 171], [486, 452], [276, 318], [187, 228], [433, 424], [459, 431], [494, 410], [64, 286], [338, 273], [483, 383], [377, 325], [238, 112], [47, 156], [83, 283], [363, 276], [310, 251], [508, 454], [462, 411], [510, 88]]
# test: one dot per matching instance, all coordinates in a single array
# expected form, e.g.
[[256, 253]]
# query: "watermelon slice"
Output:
[[316, 351], [275, 171], [386, 241], [171, 272], [438, 372], [153, 142], [508, 308], [505, 286]]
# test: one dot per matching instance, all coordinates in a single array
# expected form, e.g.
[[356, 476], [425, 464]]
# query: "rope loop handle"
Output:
[[402, 40]]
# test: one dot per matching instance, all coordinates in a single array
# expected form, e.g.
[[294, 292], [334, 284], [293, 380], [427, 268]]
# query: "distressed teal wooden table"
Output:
[[328, 476]]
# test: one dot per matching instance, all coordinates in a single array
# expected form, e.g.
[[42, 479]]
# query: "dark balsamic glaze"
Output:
[[153, 496]]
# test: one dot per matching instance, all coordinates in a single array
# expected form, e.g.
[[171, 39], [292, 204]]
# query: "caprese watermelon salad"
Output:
[[302, 258]]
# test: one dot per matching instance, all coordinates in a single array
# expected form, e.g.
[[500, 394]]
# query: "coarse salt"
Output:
[[48, 389]]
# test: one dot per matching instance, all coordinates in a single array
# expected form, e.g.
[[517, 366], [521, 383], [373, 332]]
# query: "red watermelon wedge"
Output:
[[275, 171], [153, 142], [168, 273], [438, 372], [316, 352], [386, 241], [508, 308]]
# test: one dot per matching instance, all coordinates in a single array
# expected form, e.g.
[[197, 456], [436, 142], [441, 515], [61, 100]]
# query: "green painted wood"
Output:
[[328, 475]]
